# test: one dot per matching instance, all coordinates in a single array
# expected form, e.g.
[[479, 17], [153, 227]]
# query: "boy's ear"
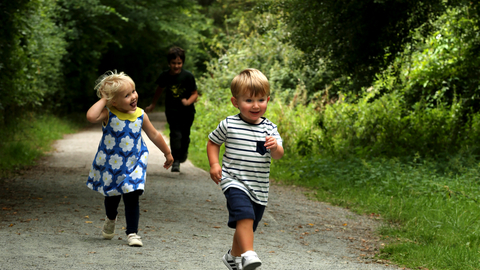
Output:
[[234, 102], [268, 98]]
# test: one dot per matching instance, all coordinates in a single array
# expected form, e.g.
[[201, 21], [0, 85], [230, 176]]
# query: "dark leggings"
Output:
[[132, 209]]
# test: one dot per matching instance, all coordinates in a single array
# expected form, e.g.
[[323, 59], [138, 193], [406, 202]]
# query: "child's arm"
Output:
[[156, 97], [157, 138], [98, 113], [191, 99], [213, 150], [276, 150]]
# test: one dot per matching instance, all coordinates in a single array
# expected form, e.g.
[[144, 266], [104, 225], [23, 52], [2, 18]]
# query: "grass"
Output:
[[31, 137], [429, 208]]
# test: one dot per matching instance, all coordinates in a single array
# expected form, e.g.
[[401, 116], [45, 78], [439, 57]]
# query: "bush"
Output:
[[30, 65]]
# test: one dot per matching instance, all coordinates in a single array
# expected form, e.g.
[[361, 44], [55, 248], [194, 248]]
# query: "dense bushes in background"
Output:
[[385, 120], [279, 61], [32, 46], [55, 50]]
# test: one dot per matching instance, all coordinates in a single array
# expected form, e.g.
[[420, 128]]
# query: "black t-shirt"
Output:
[[177, 87]]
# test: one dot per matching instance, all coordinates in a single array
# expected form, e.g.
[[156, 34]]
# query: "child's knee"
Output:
[[248, 222]]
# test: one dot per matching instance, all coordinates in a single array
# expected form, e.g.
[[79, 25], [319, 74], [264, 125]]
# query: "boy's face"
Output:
[[251, 108], [126, 100], [175, 66]]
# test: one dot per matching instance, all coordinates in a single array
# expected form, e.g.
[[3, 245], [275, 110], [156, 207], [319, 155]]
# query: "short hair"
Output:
[[175, 52], [250, 81], [110, 83]]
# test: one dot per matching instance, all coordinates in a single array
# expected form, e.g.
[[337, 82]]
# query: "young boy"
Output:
[[181, 93], [251, 141]]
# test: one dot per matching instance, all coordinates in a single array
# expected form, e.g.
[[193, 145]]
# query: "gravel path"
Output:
[[49, 219]]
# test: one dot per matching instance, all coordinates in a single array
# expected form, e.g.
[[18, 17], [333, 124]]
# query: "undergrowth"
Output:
[[31, 136], [430, 207]]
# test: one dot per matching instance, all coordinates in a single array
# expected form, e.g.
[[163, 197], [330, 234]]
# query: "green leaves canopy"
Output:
[[55, 49], [357, 38]]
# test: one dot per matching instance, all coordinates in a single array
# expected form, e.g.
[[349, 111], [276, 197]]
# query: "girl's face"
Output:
[[175, 66], [126, 100], [251, 108]]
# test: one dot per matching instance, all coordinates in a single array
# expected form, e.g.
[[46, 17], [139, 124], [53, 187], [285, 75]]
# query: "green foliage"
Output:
[[31, 56], [226, 16], [429, 208], [263, 50], [279, 62], [384, 127], [444, 65], [142, 41], [55, 50], [356, 38], [27, 139]]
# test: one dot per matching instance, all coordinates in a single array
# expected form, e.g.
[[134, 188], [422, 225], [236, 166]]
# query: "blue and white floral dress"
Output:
[[120, 164]]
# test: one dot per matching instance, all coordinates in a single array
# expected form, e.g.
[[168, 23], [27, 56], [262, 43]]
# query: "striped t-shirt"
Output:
[[246, 162]]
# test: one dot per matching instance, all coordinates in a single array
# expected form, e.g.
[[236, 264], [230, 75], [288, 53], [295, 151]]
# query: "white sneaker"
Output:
[[108, 231], [134, 240], [238, 263], [250, 260], [229, 261]]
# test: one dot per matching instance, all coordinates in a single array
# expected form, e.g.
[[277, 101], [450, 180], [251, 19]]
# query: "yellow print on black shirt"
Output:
[[177, 91]]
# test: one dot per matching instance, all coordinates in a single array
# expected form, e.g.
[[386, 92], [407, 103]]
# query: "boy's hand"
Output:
[[216, 173], [149, 108], [271, 143], [185, 102], [169, 161]]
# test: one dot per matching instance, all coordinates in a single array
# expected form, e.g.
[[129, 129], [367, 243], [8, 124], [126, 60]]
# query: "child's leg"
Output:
[[175, 125], [243, 237], [185, 141], [111, 206], [244, 216], [132, 210], [180, 124]]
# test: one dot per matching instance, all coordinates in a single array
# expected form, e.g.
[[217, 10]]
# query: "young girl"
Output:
[[120, 164]]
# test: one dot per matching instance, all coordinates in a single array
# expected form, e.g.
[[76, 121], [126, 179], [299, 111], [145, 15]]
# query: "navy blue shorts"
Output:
[[240, 206]]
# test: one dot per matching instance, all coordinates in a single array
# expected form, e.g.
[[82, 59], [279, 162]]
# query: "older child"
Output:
[[251, 141], [181, 93], [120, 164]]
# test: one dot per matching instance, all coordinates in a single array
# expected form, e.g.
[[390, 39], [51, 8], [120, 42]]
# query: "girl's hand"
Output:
[[216, 173], [271, 143], [98, 113], [168, 163]]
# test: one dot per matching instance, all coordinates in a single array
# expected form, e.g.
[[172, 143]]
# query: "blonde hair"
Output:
[[110, 83], [250, 81]]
